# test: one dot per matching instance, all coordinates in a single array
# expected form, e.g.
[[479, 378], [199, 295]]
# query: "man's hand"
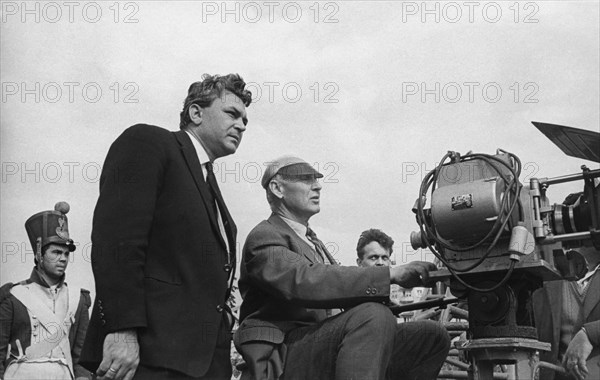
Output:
[[576, 356], [413, 274], [120, 356]]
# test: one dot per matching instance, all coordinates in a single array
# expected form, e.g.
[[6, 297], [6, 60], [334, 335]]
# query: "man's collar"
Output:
[[589, 274], [37, 277], [298, 228], [200, 151]]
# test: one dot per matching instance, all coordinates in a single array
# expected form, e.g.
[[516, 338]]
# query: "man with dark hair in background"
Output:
[[374, 248], [164, 243]]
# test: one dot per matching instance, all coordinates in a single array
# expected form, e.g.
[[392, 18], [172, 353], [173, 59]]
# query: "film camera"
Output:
[[499, 240]]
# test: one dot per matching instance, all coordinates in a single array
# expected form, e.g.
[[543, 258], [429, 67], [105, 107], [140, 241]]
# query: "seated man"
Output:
[[289, 283], [567, 315]]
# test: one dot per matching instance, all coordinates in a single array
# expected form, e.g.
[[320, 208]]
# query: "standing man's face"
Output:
[[223, 124], [53, 263], [374, 255]]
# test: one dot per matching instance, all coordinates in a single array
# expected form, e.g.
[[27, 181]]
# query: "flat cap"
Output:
[[290, 166]]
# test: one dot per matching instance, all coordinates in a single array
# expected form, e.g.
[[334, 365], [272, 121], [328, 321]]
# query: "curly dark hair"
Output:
[[206, 91], [371, 235]]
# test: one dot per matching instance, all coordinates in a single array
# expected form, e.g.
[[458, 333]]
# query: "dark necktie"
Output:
[[322, 255], [218, 201], [213, 186]]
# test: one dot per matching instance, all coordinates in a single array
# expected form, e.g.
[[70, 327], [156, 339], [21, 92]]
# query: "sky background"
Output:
[[372, 93]]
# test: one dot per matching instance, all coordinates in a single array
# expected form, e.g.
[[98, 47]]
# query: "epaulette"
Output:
[[86, 298], [5, 290]]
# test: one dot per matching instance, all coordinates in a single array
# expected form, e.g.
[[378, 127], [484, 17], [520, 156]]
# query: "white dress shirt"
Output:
[[300, 230], [203, 158]]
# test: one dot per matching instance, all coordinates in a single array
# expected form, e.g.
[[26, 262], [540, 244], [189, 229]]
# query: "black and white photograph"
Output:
[[280, 190]]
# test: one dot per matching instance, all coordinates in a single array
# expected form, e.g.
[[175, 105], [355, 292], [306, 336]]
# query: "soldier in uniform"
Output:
[[42, 319]]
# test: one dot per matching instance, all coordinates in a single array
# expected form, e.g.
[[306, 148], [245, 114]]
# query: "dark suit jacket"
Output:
[[16, 324], [547, 309], [284, 288], [158, 257]]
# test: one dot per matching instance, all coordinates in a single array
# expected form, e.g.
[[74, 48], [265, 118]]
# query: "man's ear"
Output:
[[195, 114], [275, 188], [358, 261]]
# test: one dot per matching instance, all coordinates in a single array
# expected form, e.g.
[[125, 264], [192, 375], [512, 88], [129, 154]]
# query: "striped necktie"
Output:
[[321, 250]]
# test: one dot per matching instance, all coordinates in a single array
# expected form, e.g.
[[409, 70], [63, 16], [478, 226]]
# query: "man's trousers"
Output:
[[366, 343]]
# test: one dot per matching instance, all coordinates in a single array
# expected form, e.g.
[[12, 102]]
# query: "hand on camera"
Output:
[[577, 353], [413, 274]]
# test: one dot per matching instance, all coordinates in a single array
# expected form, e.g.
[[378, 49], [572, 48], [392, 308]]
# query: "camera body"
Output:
[[499, 240]]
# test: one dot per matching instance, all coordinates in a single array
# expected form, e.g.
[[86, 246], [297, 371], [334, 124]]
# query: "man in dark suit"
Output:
[[290, 283], [164, 244], [567, 315]]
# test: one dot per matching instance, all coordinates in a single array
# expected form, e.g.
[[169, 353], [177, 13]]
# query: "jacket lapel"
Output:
[[592, 297], [191, 158], [305, 249], [230, 227], [231, 239]]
